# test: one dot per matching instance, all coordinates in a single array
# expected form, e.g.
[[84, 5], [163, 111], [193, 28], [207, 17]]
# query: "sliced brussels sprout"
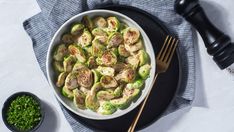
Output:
[[113, 23], [106, 71], [95, 88], [115, 39], [87, 22], [101, 39], [130, 93], [78, 52], [67, 39], [106, 108], [85, 39], [84, 90], [108, 82], [85, 77], [119, 66], [137, 84], [123, 26], [120, 103], [133, 61], [77, 29], [99, 32], [61, 79], [115, 51], [71, 81], [108, 58], [134, 47], [96, 75], [100, 22], [105, 95], [79, 99], [118, 91], [68, 63], [60, 52], [122, 51], [91, 102], [92, 62], [78, 66], [144, 71], [131, 35], [127, 75], [143, 57], [67, 93], [97, 48], [58, 66]]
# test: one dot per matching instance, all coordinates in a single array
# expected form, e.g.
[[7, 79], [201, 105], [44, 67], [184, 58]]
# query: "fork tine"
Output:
[[172, 53], [166, 49], [170, 49], [160, 52]]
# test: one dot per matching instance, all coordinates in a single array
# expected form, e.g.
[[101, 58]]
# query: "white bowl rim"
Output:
[[128, 109]]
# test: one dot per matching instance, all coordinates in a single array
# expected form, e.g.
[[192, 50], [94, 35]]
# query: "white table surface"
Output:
[[212, 110]]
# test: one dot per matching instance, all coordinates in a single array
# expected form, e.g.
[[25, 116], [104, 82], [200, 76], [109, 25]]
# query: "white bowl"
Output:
[[51, 75]]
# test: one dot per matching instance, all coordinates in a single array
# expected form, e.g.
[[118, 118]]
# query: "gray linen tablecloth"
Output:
[[54, 13]]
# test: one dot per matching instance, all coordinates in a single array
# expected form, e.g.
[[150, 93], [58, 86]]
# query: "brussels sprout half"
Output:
[[130, 93], [113, 24], [85, 77], [106, 108], [95, 88], [79, 99], [143, 57], [68, 63], [97, 48], [101, 39], [120, 103], [108, 82], [108, 58], [131, 35], [108, 71], [122, 51], [58, 66], [84, 90], [87, 22], [133, 61], [61, 79], [119, 66], [71, 81], [105, 95], [115, 39], [99, 32], [85, 39], [77, 29], [67, 39], [91, 102], [60, 52], [78, 66], [67, 93], [134, 47], [118, 91], [144, 71], [127, 75], [137, 84], [92, 62], [100, 22], [78, 52]]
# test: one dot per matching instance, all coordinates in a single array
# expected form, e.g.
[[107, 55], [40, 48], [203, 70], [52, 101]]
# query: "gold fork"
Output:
[[162, 63]]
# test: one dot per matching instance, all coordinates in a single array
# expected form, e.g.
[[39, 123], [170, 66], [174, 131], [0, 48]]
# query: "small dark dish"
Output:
[[6, 106]]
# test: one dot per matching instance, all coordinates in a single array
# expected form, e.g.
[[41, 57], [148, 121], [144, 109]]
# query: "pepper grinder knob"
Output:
[[217, 43]]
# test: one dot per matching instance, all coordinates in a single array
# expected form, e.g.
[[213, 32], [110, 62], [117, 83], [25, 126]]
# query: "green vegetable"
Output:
[[133, 61], [108, 71], [106, 108], [118, 91], [67, 93], [92, 62], [67, 39], [91, 102], [131, 35], [108, 82], [78, 66], [143, 57], [144, 71], [24, 113], [97, 48], [127, 75], [130, 93], [58, 66], [71, 81], [113, 24], [122, 51], [100, 22], [120, 103], [78, 52], [79, 99], [108, 58], [87, 22], [77, 29], [96, 75], [85, 77], [60, 52], [134, 47], [68, 63], [105, 95], [99, 32], [61, 79], [85, 39], [137, 84], [115, 39]]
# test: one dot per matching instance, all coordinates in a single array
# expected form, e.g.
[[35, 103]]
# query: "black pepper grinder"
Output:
[[217, 43]]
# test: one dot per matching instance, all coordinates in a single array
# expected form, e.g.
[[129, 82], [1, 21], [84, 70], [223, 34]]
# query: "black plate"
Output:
[[162, 93]]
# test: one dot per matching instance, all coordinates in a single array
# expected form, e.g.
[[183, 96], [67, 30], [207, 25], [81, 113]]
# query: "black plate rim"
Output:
[[160, 24]]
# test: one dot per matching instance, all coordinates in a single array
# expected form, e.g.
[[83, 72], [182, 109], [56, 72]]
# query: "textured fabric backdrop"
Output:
[[54, 13]]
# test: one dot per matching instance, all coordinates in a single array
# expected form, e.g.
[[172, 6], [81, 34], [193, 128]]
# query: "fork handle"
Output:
[[217, 43], [134, 123]]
